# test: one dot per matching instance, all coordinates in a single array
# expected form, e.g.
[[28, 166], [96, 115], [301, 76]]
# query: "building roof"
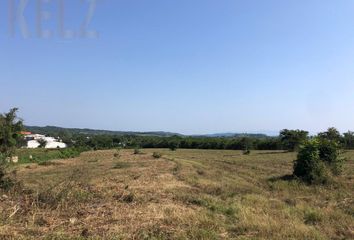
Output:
[[25, 133]]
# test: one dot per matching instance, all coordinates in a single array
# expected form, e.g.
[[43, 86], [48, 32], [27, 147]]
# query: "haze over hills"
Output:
[[53, 130]]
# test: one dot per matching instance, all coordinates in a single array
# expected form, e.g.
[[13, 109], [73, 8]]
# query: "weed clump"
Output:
[[137, 151], [312, 217], [246, 152], [125, 197], [116, 155], [6, 182], [129, 198], [157, 155]]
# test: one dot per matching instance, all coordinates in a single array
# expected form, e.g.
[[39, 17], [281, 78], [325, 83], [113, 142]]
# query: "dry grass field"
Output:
[[186, 194]]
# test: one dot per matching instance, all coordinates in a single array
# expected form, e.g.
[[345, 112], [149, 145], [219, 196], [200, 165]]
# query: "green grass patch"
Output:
[[44, 155]]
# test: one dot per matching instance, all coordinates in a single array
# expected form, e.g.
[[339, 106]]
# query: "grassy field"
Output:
[[186, 194], [41, 155]]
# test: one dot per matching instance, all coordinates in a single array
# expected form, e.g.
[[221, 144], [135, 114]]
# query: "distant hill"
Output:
[[253, 135], [55, 131]]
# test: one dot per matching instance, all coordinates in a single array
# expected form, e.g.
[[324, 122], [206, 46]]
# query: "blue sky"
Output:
[[184, 66]]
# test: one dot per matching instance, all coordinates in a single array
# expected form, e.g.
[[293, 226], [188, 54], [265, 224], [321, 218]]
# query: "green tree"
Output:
[[292, 139], [173, 145], [348, 140], [10, 128], [246, 144], [332, 134]]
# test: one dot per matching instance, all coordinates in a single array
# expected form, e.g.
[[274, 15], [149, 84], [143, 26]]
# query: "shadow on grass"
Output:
[[288, 178], [275, 152]]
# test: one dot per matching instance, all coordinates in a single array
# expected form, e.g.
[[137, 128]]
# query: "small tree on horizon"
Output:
[[173, 145], [348, 140], [292, 139], [332, 134]]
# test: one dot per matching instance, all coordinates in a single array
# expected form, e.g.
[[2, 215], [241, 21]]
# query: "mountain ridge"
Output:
[[54, 130]]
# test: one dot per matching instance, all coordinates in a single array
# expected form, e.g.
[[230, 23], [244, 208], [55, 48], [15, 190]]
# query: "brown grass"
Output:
[[185, 194]]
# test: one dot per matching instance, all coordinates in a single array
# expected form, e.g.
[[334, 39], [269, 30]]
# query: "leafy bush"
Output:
[[308, 165], [316, 159], [330, 153], [157, 155]]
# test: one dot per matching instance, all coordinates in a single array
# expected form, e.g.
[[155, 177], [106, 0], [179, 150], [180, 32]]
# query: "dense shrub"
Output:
[[308, 165], [317, 158], [330, 153]]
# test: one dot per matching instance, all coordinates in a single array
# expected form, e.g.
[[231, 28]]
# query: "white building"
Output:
[[32, 144], [51, 143]]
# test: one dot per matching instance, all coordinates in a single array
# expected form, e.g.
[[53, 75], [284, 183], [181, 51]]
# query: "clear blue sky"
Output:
[[200, 66]]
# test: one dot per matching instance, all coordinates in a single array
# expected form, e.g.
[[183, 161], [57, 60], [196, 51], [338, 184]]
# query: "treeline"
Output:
[[98, 139], [287, 140], [107, 142]]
